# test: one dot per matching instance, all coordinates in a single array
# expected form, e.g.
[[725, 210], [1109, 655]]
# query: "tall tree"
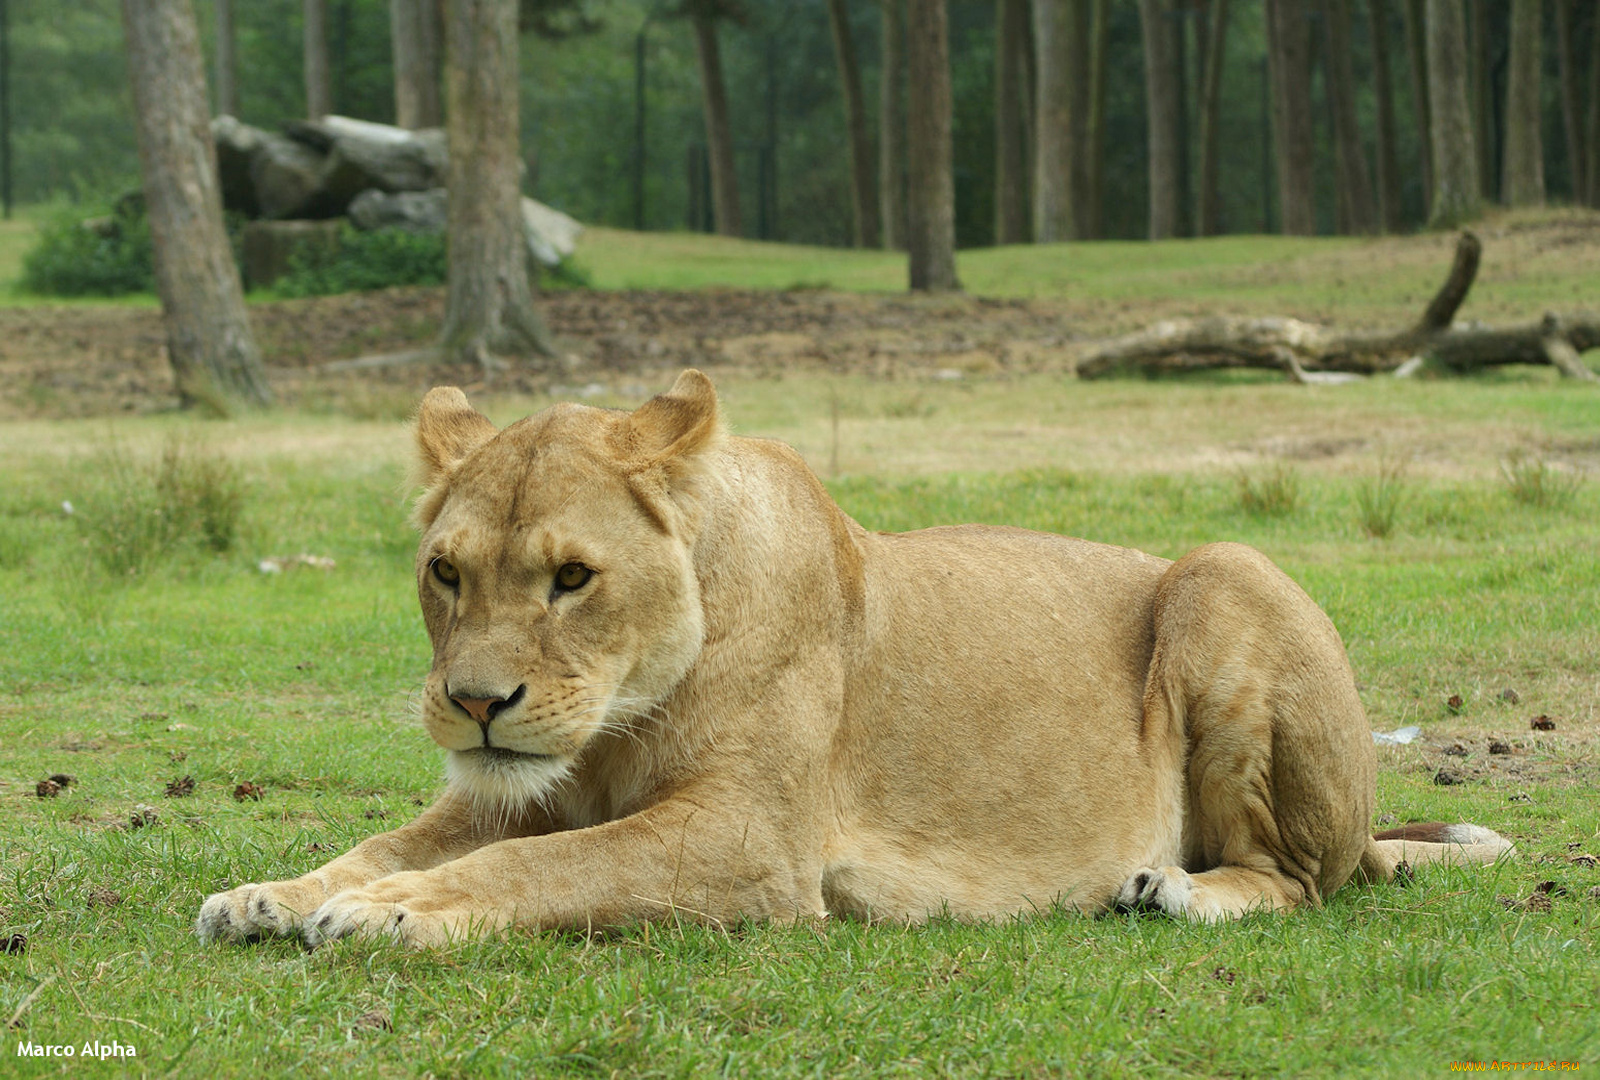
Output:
[[1455, 157], [704, 14], [414, 36], [1164, 109], [1208, 201], [891, 127], [489, 302], [931, 201], [1416, 20], [1091, 220], [214, 358], [1294, 147], [1052, 148], [1359, 208], [1592, 170], [1480, 79], [1010, 122], [863, 196], [1523, 184], [1571, 107], [1389, 209], [318, 72], [227, 60]]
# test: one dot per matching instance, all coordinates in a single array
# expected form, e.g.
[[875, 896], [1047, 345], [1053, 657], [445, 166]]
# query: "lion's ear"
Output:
[[665, 446], [676, 425], [448, 429]]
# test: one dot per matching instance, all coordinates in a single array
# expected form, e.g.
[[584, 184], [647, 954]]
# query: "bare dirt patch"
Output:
[[59, 362]]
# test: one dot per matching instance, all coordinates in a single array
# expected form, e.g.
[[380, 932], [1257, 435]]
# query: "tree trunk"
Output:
[[1389, 210], [1010, 124], [863, 196], [319, 85], [1163, 108], [214, 358], [892, 128], [489, 304], [1524, 161], [1208, 204], [719, 130], [1052, 148], [1571, 108], [1480, 93], [227, 60], [931, 236], [414, 36], [1456, 194], [1294, 145], [1355, 186], [1094, 125], [1592, 170], [1417, 45]]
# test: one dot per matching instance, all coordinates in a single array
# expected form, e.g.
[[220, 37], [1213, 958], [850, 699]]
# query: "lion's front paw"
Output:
[[273, 909], [1168, 890], [405, 907]]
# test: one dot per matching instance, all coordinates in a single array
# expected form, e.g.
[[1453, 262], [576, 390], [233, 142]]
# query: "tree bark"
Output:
[[1417, 46], [1456, 194], [719, 130], [227, 60], [1524, 161], [1480, 92], [415, 38], [1052, 149], [215, 362], [1571, 107], [1094, 125], [1163, 108], [489, 301], [1592, 170], [1208, 203], [1389, 209], [1294, 146], [319, 84], [931, 236], [1355, 185], [892, 128], [1010, 124], [863, 194]]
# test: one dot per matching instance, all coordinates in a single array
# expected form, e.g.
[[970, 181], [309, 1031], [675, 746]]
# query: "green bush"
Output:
[[366, 260], [381, 258], [110, 256]]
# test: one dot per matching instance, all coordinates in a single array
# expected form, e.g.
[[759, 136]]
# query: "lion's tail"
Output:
[[1430, 842]]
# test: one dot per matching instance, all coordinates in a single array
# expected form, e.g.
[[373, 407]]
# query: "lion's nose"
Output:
[[485, 709]]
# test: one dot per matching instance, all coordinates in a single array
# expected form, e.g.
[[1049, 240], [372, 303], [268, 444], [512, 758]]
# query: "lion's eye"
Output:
[[446, 572], [573, 576]]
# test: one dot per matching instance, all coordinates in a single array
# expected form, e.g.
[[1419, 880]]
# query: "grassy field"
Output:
[[136, 656]]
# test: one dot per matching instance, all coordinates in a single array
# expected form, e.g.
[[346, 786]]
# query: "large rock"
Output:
[[551, 235], [413, 211], [236, 145], [383, 157], [287, 178]]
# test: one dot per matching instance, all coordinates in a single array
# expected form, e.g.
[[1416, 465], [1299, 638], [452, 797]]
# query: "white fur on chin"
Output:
[[503, 786]]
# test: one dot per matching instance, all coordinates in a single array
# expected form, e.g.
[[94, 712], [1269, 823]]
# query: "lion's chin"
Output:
[[503, 782]]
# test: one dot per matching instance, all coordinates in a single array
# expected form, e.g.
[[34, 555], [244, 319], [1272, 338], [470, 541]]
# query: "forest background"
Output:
[[72, 136]]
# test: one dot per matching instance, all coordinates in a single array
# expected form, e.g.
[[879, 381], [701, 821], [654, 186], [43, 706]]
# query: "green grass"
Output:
[[198, 664]]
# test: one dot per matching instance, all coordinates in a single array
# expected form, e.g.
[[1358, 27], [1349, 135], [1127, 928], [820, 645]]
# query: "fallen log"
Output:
[[1308, 352]]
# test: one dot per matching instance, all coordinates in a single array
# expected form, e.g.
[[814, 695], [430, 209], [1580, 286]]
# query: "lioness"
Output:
[[675, 679]]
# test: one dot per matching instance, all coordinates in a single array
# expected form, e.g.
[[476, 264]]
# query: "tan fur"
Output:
[[754, 707]]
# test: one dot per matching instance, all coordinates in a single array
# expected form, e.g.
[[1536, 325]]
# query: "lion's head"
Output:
[[555, 576]]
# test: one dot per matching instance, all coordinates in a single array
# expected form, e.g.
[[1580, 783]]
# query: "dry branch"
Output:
[[1308, 352]]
